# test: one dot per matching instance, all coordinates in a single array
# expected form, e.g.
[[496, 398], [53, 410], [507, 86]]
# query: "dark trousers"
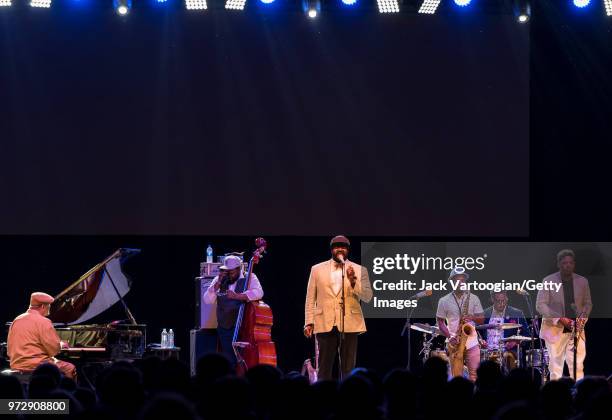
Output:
[[328, 353], [226, 336]]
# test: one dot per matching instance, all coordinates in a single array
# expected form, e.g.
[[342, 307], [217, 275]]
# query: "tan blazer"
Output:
[[550, 305], [323, 306]]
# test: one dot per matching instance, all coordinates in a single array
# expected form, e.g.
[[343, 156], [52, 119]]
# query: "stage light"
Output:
[[581, 3], [267, 1], [235, 4], [608, 5], [122, 6], [429, 6], [388, 6], [196, 5], [5, 3], [522, 11], [312, 8], [41, 3], [349, 2], [462, 3]]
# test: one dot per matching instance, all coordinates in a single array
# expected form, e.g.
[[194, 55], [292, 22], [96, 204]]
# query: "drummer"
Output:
[[500, 312]]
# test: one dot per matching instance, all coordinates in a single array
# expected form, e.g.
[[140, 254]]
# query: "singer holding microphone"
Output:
[[333, 310]]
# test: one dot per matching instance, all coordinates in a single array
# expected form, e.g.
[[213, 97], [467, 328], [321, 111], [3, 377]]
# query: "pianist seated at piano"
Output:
[[32, 340]]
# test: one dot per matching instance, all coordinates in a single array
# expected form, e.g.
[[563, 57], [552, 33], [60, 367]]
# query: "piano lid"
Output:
[[93, 292]]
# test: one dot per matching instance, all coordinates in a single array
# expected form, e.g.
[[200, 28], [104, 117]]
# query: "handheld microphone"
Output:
[[522, 292], [340, 257]]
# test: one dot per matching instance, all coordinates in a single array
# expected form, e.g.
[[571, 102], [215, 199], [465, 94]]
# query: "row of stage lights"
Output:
[[312, 8]]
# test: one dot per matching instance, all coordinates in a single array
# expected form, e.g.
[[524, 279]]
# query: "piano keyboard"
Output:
[[84, 349]]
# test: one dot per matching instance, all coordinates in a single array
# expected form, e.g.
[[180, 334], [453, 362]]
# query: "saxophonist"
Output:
[[457, 314], [558, 309]]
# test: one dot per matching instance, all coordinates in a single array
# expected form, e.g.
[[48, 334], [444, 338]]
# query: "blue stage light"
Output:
[[267, 1], [349, 2], [312, 8], [581, 3], [462, 3], [122, 6]]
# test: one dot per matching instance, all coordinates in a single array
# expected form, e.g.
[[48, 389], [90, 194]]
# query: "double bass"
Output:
[[252, 342]]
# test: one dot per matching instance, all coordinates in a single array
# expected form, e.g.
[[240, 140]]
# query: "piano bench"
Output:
[[23, 377]]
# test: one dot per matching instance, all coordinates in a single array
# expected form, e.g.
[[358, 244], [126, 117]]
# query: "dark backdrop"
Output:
[[223, 123]]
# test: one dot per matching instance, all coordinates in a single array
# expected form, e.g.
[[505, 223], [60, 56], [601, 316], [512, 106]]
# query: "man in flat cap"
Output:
[[32, 340], [228, 290], [325, 315]]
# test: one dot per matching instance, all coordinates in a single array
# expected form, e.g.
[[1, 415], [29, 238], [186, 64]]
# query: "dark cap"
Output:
[[340, 240]]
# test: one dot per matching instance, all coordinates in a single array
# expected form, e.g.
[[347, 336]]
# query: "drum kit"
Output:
[[536, 358]]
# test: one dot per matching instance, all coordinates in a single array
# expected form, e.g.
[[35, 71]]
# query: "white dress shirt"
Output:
[[336, 277], [254, 292]]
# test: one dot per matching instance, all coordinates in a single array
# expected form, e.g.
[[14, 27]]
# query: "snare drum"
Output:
[[536, 358]]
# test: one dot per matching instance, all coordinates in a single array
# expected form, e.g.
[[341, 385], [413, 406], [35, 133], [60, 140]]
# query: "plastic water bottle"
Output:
[[209, 254], [171, 339], [164, 339]]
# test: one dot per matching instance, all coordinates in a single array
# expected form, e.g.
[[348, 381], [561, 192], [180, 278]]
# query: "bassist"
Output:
[[227, 291]]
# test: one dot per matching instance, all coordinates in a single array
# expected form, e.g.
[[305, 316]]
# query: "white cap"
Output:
[[231, 262], [457, 271]]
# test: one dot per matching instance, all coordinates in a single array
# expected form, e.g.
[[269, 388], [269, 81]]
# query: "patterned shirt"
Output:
[[494, 335]]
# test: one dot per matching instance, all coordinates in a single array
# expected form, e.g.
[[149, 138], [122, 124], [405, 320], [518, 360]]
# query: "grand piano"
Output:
[[93, 293]]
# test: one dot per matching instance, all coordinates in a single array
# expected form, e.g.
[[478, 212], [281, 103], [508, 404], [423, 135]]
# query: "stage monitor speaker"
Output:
[[206, 315], [201, 342]]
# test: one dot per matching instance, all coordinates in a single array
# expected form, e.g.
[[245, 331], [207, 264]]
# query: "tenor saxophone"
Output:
[[578, 327], [464, 331]]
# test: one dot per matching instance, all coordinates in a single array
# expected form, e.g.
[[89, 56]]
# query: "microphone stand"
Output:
[[406, 330], [534, 326], [342, 314]]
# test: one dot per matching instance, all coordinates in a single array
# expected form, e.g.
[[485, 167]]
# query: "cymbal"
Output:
[[426, 328], [503, 326], [517, 338]]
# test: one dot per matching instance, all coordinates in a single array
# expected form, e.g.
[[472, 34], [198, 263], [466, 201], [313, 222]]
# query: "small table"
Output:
[[165, 353]]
